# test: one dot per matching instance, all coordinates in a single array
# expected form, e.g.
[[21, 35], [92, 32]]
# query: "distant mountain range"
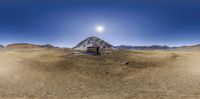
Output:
[[159, 47], [153, 47], [27, 46], [194, 47], [97, 42]]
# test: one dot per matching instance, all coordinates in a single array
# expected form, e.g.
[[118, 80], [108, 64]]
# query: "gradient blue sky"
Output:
[[130, 22]]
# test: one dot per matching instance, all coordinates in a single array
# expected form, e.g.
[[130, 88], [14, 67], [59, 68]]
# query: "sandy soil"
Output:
[[58, 74]]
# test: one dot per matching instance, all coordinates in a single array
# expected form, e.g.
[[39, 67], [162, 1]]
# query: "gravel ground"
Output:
[[58, 74]]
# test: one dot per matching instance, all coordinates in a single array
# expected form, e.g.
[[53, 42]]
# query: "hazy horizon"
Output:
[[125, 22], [86, 38]]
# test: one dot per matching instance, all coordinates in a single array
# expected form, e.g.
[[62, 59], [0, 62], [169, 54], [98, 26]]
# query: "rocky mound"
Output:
[[93, 41]]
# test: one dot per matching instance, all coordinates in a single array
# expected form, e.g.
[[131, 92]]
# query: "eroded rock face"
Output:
[[93, 41]]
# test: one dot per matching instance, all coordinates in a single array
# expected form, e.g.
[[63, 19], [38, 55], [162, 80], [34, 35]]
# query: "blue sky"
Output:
[[128, 22]]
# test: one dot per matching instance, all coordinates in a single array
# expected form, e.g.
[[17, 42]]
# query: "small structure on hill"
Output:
[[94, 50]]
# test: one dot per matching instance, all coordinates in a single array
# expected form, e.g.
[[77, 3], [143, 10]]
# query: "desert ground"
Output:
[[60, 74]]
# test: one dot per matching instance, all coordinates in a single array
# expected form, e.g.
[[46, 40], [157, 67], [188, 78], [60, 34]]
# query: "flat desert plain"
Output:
[[59, 74]]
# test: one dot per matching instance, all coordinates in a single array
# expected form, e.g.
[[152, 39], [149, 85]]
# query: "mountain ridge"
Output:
[[27, 46], [159, 47], [152, 47]]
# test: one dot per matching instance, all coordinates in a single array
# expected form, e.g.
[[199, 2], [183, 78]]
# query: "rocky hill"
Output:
[[93, 41]]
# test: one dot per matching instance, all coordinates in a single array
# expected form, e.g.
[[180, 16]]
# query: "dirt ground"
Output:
[[59, 74]]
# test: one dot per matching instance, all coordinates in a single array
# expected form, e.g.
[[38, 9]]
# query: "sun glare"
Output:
[[100, 29]]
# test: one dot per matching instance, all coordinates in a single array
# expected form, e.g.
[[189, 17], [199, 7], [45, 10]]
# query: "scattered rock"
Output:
[[127, 63]]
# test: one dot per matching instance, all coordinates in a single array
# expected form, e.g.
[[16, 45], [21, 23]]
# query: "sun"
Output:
[[99, 29]]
